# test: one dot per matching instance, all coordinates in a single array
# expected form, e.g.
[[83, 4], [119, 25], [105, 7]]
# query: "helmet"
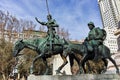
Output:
[[91, 23], [50, 16]]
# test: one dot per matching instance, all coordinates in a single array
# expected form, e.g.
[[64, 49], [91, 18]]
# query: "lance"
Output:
[[47, 7]]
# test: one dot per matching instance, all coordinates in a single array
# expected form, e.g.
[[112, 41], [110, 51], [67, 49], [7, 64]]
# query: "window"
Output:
[[102, 6]]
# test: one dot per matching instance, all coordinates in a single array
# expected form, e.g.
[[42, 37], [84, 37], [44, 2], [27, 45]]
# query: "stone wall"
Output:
[[76, 77]]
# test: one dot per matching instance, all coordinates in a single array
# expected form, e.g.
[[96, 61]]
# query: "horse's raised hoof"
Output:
[[57, 71]]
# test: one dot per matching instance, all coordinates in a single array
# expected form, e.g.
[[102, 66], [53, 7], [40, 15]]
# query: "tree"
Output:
[[25, 62], [8, 25], [6, 59], [63, 33]]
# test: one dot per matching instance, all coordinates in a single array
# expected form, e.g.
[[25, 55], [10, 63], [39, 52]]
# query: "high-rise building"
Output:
[[117, 33], [110, 14]]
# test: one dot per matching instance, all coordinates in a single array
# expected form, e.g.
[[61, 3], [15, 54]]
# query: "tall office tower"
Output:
[[110, 14]]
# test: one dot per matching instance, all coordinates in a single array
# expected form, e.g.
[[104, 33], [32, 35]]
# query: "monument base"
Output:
[[76, 77]]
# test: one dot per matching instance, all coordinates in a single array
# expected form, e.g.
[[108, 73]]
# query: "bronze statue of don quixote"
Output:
[[91, 49]]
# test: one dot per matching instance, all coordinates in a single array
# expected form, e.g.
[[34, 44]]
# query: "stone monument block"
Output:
[[76, 77]]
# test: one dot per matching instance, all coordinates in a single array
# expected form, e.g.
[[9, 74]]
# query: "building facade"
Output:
[[26, 34], [111, 39], [110, 14], [117, 33]]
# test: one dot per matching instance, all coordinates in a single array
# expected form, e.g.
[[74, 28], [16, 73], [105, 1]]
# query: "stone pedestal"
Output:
[[76, 77]]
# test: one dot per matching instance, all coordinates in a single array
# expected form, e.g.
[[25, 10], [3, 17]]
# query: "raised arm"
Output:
[[42, 23]]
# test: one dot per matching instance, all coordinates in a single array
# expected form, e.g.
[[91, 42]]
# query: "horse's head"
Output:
[[18, 46]]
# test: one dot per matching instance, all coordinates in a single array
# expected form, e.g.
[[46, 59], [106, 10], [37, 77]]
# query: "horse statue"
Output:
[[74, 50], [40, 45]]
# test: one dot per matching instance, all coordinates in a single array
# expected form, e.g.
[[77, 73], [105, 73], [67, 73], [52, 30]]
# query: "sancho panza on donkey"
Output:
[[88, 48], [95, 46]]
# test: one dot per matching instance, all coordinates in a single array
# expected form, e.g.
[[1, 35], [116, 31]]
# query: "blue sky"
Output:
[[72, 15]]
